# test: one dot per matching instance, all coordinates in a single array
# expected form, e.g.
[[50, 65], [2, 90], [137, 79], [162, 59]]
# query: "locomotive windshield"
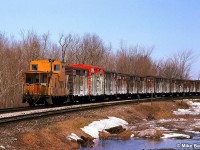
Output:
[[34, 78]]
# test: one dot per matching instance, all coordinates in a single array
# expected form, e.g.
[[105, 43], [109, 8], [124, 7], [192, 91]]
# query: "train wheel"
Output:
[[31, 104], [58, 100], [48, 101], [68, 99], [71, 100], [46, 104], [55, 101]]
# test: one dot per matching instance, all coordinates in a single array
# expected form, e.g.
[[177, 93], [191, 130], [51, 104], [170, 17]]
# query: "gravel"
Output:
[[10, 132]]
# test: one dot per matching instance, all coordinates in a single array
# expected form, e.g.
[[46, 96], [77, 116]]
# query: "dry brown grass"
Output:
[[196, 100], [160, 110], [54, 136], [196, 129], [125, 135], [30, 139], [106, 135], [156, 110], [158, 135], [45, 140], [182, 104]]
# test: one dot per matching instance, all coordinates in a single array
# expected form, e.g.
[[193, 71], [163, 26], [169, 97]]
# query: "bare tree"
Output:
[[11, 70], [15, 57], [135, 60], [90, 49], [178, 66], [65, 42], [54, 52]]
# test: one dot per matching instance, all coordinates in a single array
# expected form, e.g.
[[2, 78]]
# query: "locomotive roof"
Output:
[[32, 72]]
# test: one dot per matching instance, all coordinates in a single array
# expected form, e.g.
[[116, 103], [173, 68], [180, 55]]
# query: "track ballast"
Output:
[[24, 114]]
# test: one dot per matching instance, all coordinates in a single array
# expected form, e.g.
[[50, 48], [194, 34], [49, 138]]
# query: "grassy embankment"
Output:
[[54, 136]]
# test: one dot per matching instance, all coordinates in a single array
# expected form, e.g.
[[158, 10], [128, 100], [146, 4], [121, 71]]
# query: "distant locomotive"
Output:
[[52, 82]]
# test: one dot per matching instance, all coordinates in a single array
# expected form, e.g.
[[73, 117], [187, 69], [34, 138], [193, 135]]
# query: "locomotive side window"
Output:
[[36, 78], [56, 67], [28, 79], [32, 78], [34, 67], [78, 72], [43, 78]]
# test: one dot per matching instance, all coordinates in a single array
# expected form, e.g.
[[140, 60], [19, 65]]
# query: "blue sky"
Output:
[[168, 25]]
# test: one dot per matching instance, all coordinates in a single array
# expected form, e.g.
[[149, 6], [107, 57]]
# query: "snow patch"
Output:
[[132, 136], [161, 128], [193, 110], [93, 128], [197, 124], [175, 135], [171, 120], [73, 136], [195, 132], [2, 147]]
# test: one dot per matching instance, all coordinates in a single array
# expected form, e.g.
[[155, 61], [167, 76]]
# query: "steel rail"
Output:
[[17, 109], [71, 108]]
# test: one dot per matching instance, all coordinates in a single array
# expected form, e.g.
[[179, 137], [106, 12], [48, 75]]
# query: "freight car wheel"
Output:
[[54, 101], [57, 100], [70, 100], [60, 101]]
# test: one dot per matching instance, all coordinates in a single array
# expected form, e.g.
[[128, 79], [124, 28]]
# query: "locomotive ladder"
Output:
[[69, 71]]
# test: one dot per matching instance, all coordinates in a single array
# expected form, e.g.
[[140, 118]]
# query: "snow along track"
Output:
[[22, 115]]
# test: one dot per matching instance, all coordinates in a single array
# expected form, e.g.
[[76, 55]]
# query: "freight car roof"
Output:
[[90, 68]]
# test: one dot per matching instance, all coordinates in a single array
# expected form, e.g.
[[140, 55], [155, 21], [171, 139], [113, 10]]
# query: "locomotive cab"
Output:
[[36, 81], [36, 78], [44, 83]]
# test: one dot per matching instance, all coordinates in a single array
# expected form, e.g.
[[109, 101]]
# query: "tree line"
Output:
[[15, 56]]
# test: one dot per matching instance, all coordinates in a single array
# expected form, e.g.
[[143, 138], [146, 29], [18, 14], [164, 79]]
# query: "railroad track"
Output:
[[40, 112], [17, 109]]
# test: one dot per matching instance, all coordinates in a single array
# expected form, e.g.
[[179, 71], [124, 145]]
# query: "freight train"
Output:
[[52, 82]]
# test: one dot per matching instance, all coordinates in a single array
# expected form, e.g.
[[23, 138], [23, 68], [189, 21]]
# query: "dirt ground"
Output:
[[50, 133]]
